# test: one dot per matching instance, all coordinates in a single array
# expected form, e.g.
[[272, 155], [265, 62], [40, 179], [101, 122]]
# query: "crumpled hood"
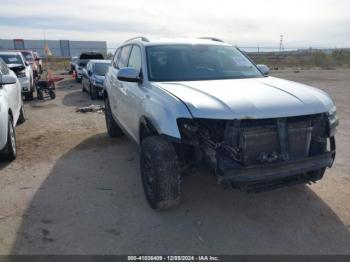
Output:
[[267, 97]]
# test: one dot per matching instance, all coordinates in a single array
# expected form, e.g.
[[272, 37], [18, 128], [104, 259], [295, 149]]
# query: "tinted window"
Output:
[[12, 59], [101, 69], [91, 56], [198, 62], [83, 63], [135, 58], [28, 56], [124, 55]]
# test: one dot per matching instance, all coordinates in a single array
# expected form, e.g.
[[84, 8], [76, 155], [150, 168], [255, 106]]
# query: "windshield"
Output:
[[83, 63], [28, 56], [101, 69], [11, 59], [198, 62]]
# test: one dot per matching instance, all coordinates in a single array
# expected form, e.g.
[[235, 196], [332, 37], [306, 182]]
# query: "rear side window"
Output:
[[28, 56], [135, 58], [115, 59], [124, 56]]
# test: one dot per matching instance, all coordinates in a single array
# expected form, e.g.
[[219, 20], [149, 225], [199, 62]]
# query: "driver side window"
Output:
[[135, 58]]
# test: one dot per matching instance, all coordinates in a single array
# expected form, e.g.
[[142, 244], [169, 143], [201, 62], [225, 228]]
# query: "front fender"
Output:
[[163, 109], [3, 122]]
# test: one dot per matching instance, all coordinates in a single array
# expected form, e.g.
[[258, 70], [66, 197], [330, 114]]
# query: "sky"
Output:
[[304, 23]]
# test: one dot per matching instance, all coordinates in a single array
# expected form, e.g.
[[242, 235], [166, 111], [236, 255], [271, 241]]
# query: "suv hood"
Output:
[[267, 97]]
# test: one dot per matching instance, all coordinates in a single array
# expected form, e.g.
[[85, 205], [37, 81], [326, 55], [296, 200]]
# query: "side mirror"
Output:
[[264, 69], [129, 74], [7, 80], [26, 63], [89, 73]]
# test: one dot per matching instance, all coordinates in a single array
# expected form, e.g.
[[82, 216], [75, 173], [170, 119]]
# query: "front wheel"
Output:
[[52, 94], [29, 96], [40, 95], [93, 92], [160, 173], [21, 118], [10, 150]]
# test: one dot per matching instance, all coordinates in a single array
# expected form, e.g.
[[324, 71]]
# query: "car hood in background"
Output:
[[99, 77], [267, 97]]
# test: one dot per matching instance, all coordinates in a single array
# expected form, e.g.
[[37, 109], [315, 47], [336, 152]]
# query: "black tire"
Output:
[[317, 174], [29, 96], [40, 95], [112, 127], [22, 117], [160, 174], [83, 87], [93, 92], [10, 150], [52, 94]]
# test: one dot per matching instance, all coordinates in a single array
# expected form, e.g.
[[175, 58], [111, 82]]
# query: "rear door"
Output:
[[11, 92], [132, 94], [117, 87]]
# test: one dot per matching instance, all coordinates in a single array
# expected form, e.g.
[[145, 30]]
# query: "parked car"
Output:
[[11, 111], [16, 62], [73, 63], [30, 58], [94, 76], [38, 62], [202, 102], [84, 58]]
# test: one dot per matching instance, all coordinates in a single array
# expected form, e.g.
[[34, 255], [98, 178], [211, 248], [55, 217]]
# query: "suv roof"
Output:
[[90, 55], [164, 41]]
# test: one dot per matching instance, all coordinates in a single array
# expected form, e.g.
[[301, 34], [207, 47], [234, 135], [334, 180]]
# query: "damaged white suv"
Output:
[[202, 102]]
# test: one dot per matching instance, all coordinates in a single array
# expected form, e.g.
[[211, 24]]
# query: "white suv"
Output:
[[202, 102], [11, 111], [16, 62]]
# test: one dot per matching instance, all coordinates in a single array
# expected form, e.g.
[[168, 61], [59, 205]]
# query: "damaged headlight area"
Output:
[[333, 121], [259, 154]]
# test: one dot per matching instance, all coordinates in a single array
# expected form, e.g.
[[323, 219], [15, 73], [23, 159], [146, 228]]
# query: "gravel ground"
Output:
[[74, 190]]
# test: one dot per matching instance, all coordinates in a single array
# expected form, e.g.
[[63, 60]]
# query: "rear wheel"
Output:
[[29, 96], [160, 174], [52, 94], [40, 95], [10, 151], [112, 127], [93, 92], [21, 118]]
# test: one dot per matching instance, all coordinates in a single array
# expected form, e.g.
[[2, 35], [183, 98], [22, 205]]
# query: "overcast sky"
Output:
[[317, 23]]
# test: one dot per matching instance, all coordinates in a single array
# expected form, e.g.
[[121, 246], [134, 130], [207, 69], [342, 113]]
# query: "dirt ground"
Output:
[[74, 190]]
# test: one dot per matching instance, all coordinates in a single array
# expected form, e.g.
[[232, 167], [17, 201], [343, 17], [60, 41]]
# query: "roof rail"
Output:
[[212, 39], [143, 38]]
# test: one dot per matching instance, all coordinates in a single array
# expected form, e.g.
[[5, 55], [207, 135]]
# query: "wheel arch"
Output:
[[147, 128]]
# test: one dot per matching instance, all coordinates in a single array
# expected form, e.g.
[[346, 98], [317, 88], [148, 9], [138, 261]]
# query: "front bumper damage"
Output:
[[260, 155], [272, 176]]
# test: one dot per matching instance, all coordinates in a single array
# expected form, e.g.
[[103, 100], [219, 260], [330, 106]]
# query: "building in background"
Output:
[[59, 48]]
